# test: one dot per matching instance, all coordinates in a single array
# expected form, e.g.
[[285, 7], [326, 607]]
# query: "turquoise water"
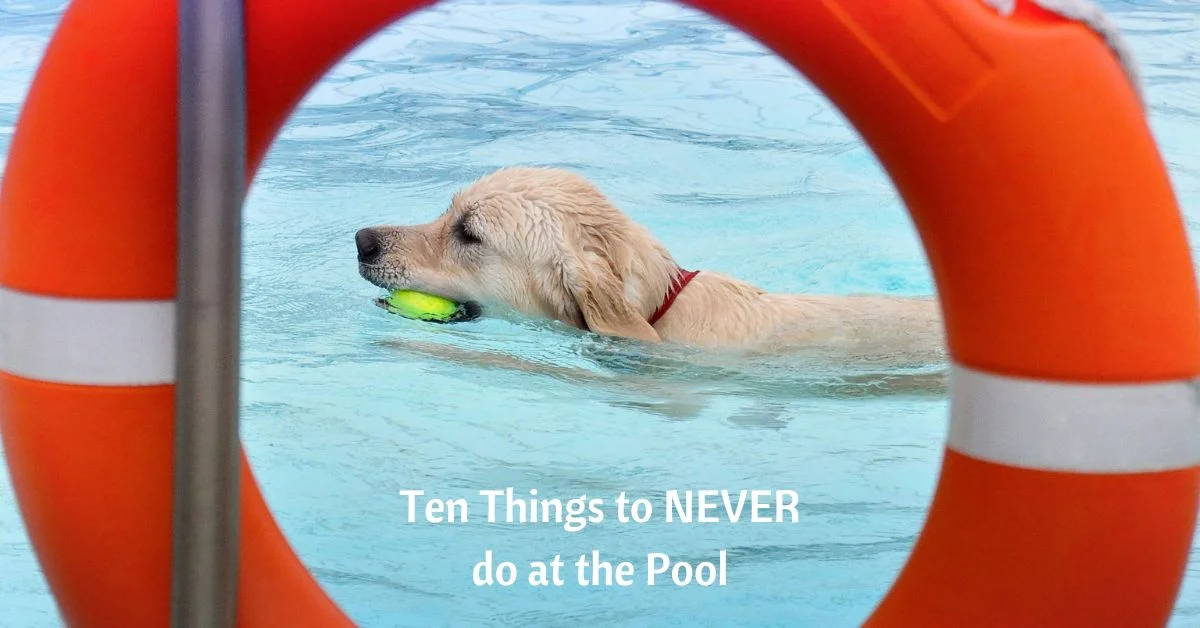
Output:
[[735, 163]]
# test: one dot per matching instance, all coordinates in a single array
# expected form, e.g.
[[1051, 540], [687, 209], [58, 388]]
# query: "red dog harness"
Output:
[[682, 279]]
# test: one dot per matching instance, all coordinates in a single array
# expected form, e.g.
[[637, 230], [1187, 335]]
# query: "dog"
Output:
[[547, 243]]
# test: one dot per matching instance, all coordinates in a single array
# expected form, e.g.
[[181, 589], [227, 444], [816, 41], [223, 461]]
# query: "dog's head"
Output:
[[540, 241]]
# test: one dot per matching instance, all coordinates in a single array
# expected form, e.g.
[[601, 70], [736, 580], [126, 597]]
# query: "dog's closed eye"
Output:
[[463, 233]]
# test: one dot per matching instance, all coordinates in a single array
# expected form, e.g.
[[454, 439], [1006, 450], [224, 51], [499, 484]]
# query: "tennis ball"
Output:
[[421, 306]]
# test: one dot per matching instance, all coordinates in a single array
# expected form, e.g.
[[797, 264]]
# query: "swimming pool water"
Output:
[[735, 163]]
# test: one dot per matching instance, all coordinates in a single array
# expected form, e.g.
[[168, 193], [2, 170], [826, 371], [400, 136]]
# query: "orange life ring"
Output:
[[1069, 487]]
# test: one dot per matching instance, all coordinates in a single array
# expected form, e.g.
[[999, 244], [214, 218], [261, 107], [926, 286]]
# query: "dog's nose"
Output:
[[367, 241]]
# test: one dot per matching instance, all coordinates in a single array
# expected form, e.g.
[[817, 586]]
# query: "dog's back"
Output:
[[719, 311]]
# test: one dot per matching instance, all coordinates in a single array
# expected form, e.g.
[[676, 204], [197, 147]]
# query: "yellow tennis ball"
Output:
[[421, 306]]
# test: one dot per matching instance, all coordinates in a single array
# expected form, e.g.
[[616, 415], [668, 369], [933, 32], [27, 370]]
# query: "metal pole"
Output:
[[212, 122]]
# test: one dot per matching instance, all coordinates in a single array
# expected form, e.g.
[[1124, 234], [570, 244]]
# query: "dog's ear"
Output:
[[594, 282]]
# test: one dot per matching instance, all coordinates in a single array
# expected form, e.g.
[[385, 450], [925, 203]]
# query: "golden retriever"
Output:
[[546, 242]]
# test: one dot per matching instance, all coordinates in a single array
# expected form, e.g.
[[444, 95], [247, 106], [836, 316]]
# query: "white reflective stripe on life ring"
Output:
[[87, 341], [1083, 428]]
